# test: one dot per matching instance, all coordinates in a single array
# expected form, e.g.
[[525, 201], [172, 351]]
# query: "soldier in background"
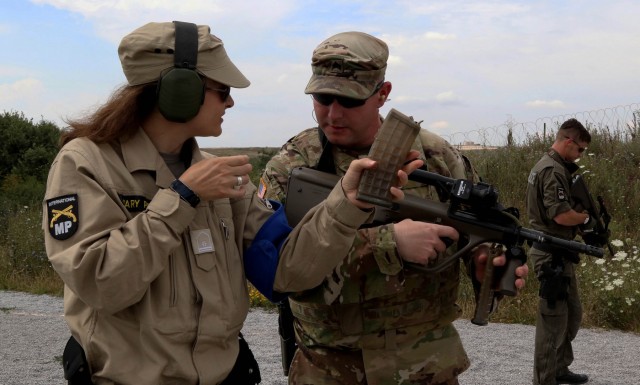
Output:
[[549, 205], [372, 321]]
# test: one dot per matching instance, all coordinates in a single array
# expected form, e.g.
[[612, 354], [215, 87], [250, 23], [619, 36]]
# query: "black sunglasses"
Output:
[[580, 149], [224, 92], [327, 99]]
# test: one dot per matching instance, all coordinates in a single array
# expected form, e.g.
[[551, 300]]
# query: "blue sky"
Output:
[[457, 65]]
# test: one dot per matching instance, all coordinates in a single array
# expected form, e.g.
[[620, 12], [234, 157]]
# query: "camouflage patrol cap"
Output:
[[348, 64], [147, 53]]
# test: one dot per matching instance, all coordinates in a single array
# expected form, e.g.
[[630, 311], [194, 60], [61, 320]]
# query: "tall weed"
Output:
[[609, 287]]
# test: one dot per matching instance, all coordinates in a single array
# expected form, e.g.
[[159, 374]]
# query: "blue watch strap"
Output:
[[186, 194]]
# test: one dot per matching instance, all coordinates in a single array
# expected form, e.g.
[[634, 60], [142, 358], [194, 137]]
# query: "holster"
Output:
[[74, 364], [553, 284], [245, 371], [288, 344]]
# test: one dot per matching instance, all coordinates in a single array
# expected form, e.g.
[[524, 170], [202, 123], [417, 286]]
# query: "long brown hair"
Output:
[[118, 118]]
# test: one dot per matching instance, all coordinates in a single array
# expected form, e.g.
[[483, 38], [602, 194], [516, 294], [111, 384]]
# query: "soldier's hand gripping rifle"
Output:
[[596, 233], [472, 209]]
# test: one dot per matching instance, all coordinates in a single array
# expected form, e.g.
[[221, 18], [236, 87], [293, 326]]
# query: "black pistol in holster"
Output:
[[75, 365], [287, 335], [245, 371], [553, 284], [596, 232]]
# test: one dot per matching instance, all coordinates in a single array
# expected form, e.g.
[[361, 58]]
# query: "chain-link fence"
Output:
[[623, 121]]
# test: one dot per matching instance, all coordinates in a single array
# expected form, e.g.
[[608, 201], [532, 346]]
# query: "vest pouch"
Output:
[[350, 318]]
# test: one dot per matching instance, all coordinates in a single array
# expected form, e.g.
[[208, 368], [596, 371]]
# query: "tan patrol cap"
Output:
[[147, 52], [348, 64]]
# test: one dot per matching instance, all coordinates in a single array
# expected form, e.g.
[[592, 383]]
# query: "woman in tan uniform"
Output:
[[154, 238]]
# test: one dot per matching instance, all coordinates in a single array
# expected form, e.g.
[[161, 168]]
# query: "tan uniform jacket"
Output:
[[155, 290]]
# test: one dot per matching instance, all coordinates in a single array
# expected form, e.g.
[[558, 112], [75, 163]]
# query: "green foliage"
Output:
[[23, 191], [259, 162], [26, 149], [24, 241], [26, 152]]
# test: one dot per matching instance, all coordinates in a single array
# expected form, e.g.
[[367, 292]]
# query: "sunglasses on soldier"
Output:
[[327, 99], [580, 149]]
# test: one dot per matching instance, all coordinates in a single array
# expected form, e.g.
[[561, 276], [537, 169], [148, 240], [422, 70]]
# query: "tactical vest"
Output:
[[373, 302]]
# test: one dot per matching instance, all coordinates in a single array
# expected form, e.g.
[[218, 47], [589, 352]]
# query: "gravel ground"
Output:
[[33, 334]]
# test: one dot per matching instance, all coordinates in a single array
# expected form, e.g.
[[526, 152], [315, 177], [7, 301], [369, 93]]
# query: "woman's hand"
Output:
[[218, 177]]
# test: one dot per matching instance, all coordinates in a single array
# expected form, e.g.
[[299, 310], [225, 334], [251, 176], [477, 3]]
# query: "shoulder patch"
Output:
[[561, 194], [62, 213], [532, 177], [134, 203], [262, 188]]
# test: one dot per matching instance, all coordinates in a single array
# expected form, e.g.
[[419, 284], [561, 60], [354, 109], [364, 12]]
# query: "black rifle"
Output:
[[599, 234], [472, 209]]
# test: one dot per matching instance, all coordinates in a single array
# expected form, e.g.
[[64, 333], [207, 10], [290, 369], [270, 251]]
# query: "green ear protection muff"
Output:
[[181, 90]]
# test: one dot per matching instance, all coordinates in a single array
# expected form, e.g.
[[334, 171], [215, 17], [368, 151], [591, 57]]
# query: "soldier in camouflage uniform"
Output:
[[372, 321], [551, 210]]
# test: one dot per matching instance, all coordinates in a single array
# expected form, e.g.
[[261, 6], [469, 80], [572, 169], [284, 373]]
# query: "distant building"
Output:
[[470, 146]]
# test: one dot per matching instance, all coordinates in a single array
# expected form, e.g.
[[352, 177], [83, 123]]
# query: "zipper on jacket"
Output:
[[173, 292], [227, 254], [195, 293], [225, 230], [172, 273]]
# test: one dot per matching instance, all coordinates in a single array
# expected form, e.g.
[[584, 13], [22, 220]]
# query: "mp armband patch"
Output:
[[62, 214]]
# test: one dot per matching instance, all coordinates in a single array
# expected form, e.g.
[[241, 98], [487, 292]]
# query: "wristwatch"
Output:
[[186, 194]]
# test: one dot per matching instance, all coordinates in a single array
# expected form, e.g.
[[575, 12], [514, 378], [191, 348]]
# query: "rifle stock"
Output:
[[472, 210]]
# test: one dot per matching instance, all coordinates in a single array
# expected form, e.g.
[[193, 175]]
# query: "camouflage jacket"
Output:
[[370, 290]]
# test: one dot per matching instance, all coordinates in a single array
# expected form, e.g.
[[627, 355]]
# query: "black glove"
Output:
[[595, 239]]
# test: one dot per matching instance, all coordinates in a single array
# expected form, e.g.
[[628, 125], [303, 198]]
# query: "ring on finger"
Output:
[[239, 181]]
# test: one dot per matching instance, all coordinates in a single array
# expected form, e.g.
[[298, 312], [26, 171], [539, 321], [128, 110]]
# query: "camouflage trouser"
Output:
[[436, 359]]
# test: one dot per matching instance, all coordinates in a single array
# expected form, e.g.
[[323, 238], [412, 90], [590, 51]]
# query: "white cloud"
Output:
[[448, 97], [114, 19], [546, 104], [20, 89], [394, 60], [487, 58], [439, 125], [438, 36]]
